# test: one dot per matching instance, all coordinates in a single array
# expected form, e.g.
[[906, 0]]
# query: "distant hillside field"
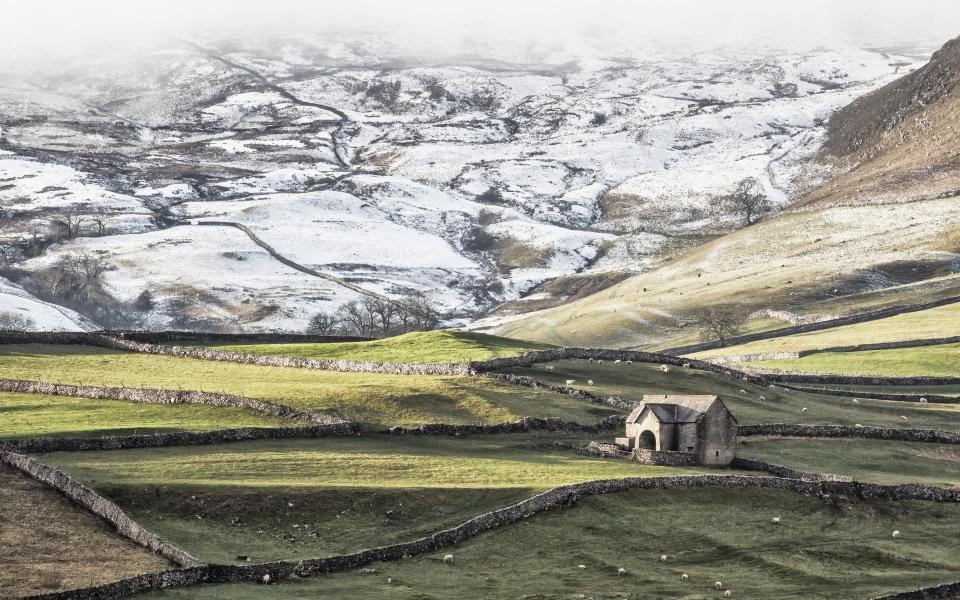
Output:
[[445, 346], [932, 361]]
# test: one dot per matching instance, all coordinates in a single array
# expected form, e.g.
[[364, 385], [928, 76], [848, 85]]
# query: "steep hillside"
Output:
[[886, 232], [900, 142]]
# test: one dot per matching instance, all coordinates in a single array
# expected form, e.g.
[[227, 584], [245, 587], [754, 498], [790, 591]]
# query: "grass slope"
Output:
[[780, 405], [33, 415], [833, 549], [303, 498], [877, 461], [380, 400], [49, 544], [943, 321], [443, 346], [942, 360]]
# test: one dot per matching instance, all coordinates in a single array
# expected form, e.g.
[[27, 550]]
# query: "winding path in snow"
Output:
[[336, 137]]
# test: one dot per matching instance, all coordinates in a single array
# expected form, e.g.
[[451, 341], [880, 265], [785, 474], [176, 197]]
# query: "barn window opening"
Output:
[[718, 453], [689, 448]]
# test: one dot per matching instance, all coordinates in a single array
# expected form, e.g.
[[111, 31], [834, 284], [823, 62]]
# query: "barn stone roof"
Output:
[[674, 409]]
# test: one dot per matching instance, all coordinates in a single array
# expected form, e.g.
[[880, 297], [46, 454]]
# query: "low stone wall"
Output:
[[828, 324], [200, 337], [933, 436], [98, 505], [931, 398], [747, 464], [834, 379], [662, 458], [41, 445], [552, 499], [164, 396], [524, 425], [946, 591]]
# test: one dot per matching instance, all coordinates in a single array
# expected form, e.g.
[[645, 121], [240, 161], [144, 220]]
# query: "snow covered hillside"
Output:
[[507, 179]]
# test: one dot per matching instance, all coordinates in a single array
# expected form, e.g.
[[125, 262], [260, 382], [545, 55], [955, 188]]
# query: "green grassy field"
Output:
[[444, 346], [940, 322], [876, 461], [942, 360], [835, 549], [780, 405], [379, 400], [33, 415], [302, 498]]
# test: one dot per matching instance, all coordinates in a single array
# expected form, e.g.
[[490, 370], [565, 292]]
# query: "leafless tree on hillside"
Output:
[[749, 200], [10, 321], [719, 322], [322, 324]]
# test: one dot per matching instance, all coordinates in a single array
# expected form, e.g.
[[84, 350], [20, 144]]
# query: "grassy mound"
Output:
[[445, 346], [876, 461], [779, 406], [34, 415], [941, 360], [303, 498], [835, 549], [378, 400]]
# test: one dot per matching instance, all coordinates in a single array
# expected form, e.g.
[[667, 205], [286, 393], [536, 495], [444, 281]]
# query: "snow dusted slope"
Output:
[[508, 178], [43, 315]]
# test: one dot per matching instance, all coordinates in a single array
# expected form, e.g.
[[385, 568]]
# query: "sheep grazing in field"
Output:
[[896, 533], [389, 580], [448, 558], [590, 359], [858, 425], [621, 571], [549, 367], [581, 566], [923, 400], [772, 387], [742, 391], [684, 577], [617, 362], [718, 585], [804, 409], [763, 398], [665, 368], [686, 365], [775, 520], [599, 362], [727, 594], [571, 381], [589, 382], [855, 401], [903, 417], [265, 579], [663, 558]]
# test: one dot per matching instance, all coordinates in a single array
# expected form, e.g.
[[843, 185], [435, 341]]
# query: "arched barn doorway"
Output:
[[647, 441]]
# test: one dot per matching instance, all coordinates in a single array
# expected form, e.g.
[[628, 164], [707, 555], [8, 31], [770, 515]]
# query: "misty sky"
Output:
[[62, 27]]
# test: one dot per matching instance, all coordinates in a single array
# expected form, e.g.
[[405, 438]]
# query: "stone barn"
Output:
[[699, 427]]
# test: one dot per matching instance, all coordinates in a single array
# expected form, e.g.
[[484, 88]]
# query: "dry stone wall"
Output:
[[850, 431], [164, 396], [524, 425], [932, 398], [98, 505], [41, 445], [747, 464]]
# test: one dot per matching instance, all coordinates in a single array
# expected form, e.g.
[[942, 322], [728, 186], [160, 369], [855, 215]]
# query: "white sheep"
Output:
[[448, 558], [265, 579], [581, 566], [599, 362], [858, 425], [629, 362], [665, 368], [621, 571], [903, 417], [743, 391], [718, 585], [775, 520], [590, 359], [686, 365], [617, 362], [571, 381], [589, 382], [727, 594], [549, 367], [896, 533], [663, 558], [923, 400], [772, 387], [389, 580], [855, 401], [684, 577], [763, 398], [804, 409]]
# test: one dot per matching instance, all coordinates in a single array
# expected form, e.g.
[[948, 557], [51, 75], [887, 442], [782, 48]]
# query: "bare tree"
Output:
[[100, 222], [416, 314], [720, 322], [749, 200], [77, 276], [71, 223], [322, 324], [10, 321]]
